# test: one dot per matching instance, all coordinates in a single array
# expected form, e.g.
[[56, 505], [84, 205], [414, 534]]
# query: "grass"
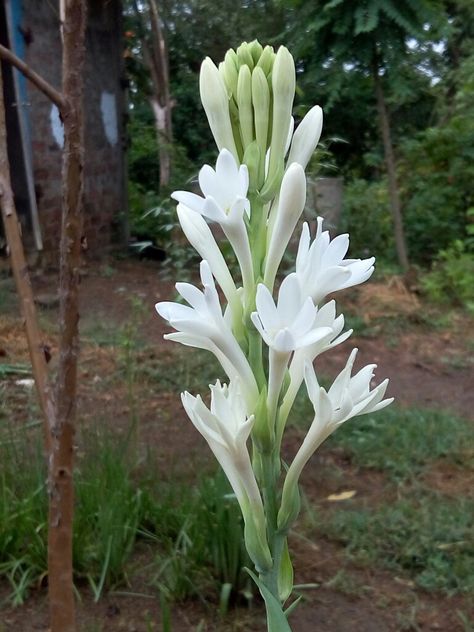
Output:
[[192, 535], [403, 441], [427, 536]]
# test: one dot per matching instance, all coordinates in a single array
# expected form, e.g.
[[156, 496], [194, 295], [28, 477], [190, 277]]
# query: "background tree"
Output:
[[370, 38]]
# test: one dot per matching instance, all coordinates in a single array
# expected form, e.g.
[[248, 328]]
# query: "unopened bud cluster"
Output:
[[248, 101]]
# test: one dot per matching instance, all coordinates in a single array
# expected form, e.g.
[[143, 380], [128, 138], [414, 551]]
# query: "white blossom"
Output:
[[347, 397], [289, 324], [225, 202], [321, 267], [202, 325]]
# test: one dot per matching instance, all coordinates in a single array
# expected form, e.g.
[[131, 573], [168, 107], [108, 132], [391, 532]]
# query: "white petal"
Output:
[[191, 200]]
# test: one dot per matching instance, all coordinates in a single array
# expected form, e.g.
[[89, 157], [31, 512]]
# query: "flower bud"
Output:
[[244, 55], [216, 105], [283, 88], [244, 103], [256, 50], [291, 204], [261, 107], [266, 60], [261, 432], [230, 71], [306, 137]]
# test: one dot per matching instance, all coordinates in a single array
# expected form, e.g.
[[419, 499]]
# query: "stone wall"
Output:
[[104, 165]]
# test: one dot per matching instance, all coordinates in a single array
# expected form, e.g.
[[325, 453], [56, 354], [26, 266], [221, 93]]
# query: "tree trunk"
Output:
[[60, 479], [393, 188], [155, 56]]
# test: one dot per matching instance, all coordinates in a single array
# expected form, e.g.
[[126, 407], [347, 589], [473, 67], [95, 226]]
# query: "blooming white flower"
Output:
[[225, 202], [289, 324], [321, 267], [347, 397], [202, 325], [325, 318], [226, 428]]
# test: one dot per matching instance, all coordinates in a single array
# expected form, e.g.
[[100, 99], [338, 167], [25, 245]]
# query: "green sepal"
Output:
[[276, 618], [290, 508], [261, 433], [272, 184], [285, 575], [252, 160]]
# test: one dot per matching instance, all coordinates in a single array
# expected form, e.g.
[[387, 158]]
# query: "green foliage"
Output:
[[402, 441], [451, 279], [196, 533], [204, 546], [366, 219], [427, 536]]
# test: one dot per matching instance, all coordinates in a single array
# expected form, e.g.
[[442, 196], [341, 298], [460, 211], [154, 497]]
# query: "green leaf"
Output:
[[276, 619]]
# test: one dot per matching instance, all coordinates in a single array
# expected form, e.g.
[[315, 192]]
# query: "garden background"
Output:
[[385, 540]]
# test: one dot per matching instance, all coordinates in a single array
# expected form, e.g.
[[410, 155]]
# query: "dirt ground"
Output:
[[428, 367]]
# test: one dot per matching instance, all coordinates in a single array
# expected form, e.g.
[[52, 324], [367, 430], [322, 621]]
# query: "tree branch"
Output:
[[22, 282], [46, 88]]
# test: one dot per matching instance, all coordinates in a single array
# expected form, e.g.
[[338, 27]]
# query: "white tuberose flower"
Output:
[[326, 317], [321, 267], [202, 325], [226, 428], [347, 397], [289, 324], [225, 202]]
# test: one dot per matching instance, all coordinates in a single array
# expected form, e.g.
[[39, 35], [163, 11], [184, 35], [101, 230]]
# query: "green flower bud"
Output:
[[256, 50], [244, 103], [283, 88], [244, 55], [231, 72], [267, 59], [215, 101], [261, 112]]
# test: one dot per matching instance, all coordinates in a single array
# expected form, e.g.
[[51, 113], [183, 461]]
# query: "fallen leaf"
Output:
[[342, 495]]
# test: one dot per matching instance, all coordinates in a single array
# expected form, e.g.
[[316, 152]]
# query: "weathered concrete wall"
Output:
[[103, 121]]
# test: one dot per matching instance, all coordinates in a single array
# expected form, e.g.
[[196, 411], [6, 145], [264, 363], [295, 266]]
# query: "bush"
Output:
[[451, 279], [366, 217]]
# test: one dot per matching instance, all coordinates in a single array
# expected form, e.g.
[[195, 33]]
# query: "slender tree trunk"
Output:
[[60, 480], [155, 56], [390, 164], [22, 281]]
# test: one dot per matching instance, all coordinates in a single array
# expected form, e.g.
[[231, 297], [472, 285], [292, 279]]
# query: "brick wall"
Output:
[[103, 122]]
